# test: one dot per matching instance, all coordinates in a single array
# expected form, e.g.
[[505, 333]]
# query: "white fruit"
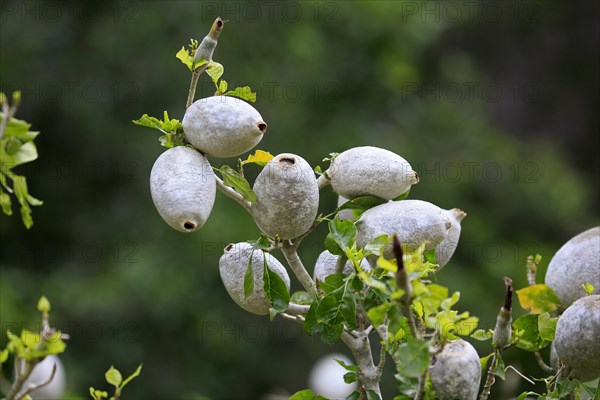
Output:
[[456, 371], [445, 249], [576, 339], [287, 197], [55, 390], [232, 268], [414, 222], [327, 265], [223, 126], [372, 171], [183, 188], [577, 262], [327, 378]]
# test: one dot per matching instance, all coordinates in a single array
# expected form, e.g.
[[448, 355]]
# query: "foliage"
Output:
[[16, 148]]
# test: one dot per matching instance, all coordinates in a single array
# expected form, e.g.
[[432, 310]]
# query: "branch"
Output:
[[34, 386], [290, 252], [229, 192], [22, 375], [361, 349], [542, 363], [503, 329], [205, 52], [491, 377], [297, 309], [323, 180]]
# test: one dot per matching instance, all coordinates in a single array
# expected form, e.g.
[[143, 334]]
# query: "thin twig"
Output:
[[403, 283], [35, 386], [20, 379], [542, 363], [491, 377], [297, 309]]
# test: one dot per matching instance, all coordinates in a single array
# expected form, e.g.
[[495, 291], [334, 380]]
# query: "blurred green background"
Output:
[[495, 104]]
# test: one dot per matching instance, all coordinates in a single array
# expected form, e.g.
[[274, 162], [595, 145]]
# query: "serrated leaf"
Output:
[[362, 203], [301, 297], [149, 122], [538, 299], [233, 179], [332, 246], [376, 245], [259, 157], [527, 331], [275, 289], [500, 371], [262, 243], [244, 93], [113, 376], [377, 314], [5, 203], [215, 71], [184, 56]]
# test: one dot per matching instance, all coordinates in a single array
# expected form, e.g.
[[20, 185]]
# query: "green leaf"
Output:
[[98, 394], [332, 282], [306, 394], [244, 93], [332, 333], [5, 203], [338, 306], [149, 122], [188, 59], [233, 179], [500, 367], [402, 196], [3, 356], [525, 328], [222, 86], [413, 358], [135, 374], [343, 232], [113, 376], [589, 289], [538, 299], [249, 279], [547, 326], [311, 326], [371, 395], [215, 71], [482, 335], [332, 246], [377, 314], [362, 203], [377, 245], [302, 298], [275, 289], [19, 154]]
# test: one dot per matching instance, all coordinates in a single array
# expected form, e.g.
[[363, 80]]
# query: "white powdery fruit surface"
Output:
[[183, 188], [232, 268], [327, 377], [414, 222], [577, 262], [445, 249], [576, 339], [456, 371], [287, 197], [326, 265], [370, 171], [223, 126]]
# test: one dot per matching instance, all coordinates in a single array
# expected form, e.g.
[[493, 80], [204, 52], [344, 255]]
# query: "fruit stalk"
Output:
[[503, 329], [290, 252]]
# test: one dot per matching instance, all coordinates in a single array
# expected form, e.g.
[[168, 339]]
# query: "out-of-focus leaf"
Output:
[[233, 179], [538, 299]]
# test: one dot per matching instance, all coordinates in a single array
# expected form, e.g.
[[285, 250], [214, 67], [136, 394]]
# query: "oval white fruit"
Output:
[[232, 267], [370, 171], [574, 264], [183, 188], [55, 390], [287, 197], [327, 265], [576, 338], [327, 377], [456, 371], [445, 249], [223, 126], [414, 222]]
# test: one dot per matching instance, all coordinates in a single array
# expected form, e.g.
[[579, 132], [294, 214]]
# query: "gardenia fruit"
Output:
[[327, 377], [414, 222], [287, 197], [456, 371], [183, 188], [327, 265], [223, 126], [576, 338], [55, 390], [232, 268], [577, 262], [371, 171]]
